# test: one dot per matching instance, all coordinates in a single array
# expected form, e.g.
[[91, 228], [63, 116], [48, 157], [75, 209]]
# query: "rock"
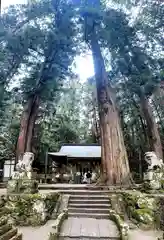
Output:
[[30, 209], [145, 202], [39, 207], [141, 207], [143, 216], [12, 186]]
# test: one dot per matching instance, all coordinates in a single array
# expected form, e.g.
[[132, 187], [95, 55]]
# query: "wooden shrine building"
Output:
[[73, 158]]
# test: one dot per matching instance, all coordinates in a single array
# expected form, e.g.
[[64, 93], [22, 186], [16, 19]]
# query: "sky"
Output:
[[84, 64], [9, 2]]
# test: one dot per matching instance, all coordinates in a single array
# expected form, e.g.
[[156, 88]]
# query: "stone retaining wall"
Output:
[[30, 209], [7, 231], [142, 209]]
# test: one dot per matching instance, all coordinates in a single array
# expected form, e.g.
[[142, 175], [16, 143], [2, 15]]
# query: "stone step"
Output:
[[71, 187], [85, 192], [17, 237], [87, 238], [88, 201], [3, 185], [89, 197], [88, 215], [90, 205], [88, 210], [5, 228], [8, 235]]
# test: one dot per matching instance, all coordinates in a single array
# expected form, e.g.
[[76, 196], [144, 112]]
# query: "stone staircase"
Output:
[[89, 204], [89, 216]]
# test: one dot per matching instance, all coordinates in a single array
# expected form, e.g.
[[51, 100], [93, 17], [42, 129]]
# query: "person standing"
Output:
[[84, 180], [78, 177], [88, 177]]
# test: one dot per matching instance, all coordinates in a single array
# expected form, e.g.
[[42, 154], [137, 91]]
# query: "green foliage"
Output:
[[43, 45], [141, 207], [9, 130], [39, 42], [65, 124]]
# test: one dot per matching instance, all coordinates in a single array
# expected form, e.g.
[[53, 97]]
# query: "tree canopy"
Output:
[[43, 104]]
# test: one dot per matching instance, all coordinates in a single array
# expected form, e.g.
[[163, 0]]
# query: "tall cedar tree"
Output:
[[58, 48], [115, 166]]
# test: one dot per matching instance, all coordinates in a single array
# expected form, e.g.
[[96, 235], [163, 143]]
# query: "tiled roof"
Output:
[[79, 151]]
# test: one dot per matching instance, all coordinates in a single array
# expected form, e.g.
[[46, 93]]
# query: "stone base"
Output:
[[153, 179], [22, 186]]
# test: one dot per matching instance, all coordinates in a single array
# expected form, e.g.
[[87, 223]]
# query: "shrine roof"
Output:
[[79, 151]]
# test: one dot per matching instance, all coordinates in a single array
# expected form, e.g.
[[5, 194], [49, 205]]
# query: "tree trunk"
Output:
[[26, 126], [114, 156], [21, 144], [158, 97], [31, 124], [95, 123], [159, 114], [153, 133]]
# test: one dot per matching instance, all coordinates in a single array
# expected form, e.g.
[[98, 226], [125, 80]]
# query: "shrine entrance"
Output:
[[72, 161]]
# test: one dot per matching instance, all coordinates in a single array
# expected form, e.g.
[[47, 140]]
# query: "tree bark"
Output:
[[95, 122], [158, 97], [26, 126], [21, 143], [31, 124], [114, 156], [153, 133], [159, 114]]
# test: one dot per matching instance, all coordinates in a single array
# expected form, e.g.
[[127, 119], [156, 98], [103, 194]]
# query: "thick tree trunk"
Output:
[[114, 156], [21, 144], [159, 114], [26, 126], [158, 97], [95, 123], [153, 133], [31, 124]]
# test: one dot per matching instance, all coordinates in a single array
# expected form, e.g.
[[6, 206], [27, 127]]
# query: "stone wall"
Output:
[[30, 209], [141, 208], [22, 186], [160, 212], [7, 231]]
